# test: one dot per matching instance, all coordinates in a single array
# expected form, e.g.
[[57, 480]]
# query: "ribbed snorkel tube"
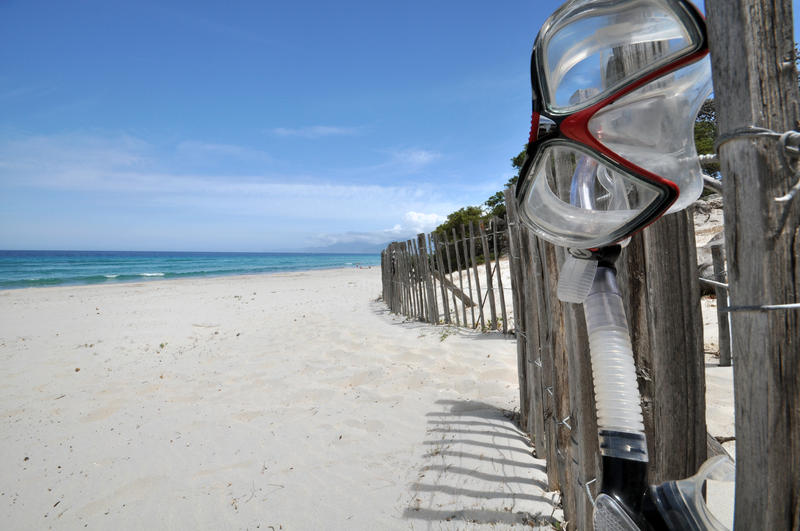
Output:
[[616, 391], [620, 426]]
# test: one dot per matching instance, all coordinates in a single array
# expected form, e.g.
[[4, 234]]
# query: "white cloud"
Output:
[[420, 222], [413, 223], [315, 131], [120, 169], [192, 148], [414, 159]]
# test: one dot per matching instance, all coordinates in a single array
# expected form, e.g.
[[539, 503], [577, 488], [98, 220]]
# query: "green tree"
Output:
[[460, 217], [496, 205], [705, 133], [517, 163]]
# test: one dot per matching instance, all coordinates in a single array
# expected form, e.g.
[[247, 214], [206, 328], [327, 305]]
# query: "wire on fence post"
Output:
[[588, 492]]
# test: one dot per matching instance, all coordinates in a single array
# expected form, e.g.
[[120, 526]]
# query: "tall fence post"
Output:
[[450, 273], [467, 263], [439, 262], [518, 300], [460, 278], [386, 275], [432, 274], [487, 262], [474, 257], [427, 279], [537, 345], [662, 301], [755, 85], [723, 324], [661, 294], [499, 275], [421, 283]]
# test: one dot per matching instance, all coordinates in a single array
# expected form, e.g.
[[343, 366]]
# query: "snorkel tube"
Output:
[[620, 424], [626, 501]]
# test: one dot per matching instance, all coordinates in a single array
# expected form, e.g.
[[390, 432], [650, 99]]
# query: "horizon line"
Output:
[[155, 251]]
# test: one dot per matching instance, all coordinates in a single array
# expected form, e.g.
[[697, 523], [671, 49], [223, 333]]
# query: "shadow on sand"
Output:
[[479, 470]]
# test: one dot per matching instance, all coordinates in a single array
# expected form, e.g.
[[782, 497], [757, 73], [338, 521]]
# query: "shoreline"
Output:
[[152, 278], [26, 269]]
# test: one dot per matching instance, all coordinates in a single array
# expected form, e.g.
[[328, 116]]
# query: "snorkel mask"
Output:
[[617, 85]]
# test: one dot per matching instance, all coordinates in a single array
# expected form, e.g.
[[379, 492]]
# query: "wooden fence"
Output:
[[749, 40], [460, 281], [658, 282], [453, 279]]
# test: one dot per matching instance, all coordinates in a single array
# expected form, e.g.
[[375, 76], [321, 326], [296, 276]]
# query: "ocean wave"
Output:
[[55, 268]]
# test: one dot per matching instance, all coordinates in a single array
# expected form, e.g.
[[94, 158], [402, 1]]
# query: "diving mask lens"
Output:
[[653, 127], [576, 198], [621, 81], [588, 49]]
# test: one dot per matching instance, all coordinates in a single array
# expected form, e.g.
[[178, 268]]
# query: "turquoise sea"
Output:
[[24, 269]]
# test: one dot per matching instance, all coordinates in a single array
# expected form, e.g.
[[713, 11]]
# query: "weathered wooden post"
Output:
[[385, 275], [474, 257], [662, 301], [431, 265], [436, 246], [723, 324], [517, 290], [487, 262], [537, 342], [467, 262], [661, 295], [450, 272], [427, 279], [406, 280], [419, 264], [499, 276], [460, 278], [584, 448], [755, 85]]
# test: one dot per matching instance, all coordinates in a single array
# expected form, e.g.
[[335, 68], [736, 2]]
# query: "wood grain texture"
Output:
[[439, 275], [487, 262], [723, 325], [451, 286], [467, 262], [456, 248], [474, 259], [431, 314], [431, 265], [662, 303], [755, 84], [538, 351], [518, 301], [584, 450], [547, 345], [499, 274]]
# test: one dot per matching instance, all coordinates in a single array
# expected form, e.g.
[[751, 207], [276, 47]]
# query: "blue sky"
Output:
[[254, 126]]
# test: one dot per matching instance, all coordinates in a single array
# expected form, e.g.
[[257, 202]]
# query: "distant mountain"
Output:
[[350, 247]]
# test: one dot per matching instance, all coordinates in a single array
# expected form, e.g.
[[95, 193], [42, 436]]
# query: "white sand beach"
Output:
[[289, 401]]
